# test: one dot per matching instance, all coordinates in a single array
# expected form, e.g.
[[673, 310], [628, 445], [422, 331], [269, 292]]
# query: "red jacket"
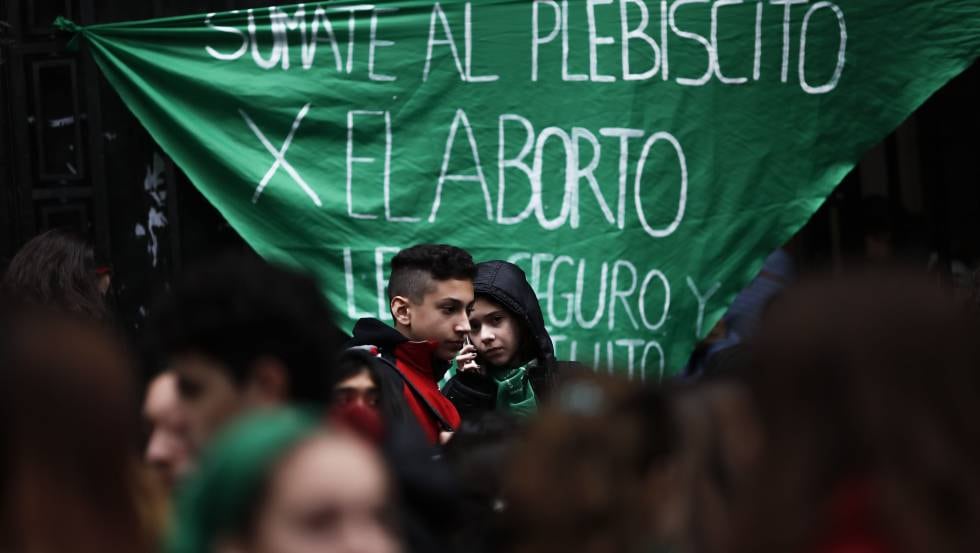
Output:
[[415, 364]]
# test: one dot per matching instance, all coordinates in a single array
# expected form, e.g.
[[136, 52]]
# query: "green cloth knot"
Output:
[[66, 25], [69, 26]]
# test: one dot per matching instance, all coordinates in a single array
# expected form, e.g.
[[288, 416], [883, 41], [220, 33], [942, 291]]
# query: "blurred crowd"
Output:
[[828, 414]]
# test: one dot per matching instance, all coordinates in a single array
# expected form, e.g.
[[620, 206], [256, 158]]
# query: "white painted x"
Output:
[[280, 156]]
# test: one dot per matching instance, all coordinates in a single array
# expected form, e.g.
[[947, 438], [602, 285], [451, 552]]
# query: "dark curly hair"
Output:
[[413, 269], [56, 270], [237, 309]]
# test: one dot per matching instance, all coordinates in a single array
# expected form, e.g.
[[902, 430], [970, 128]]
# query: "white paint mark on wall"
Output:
[[154, 185], [61, 122]]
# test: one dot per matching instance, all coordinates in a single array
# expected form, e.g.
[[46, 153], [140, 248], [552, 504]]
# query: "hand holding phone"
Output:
[[466, 359]]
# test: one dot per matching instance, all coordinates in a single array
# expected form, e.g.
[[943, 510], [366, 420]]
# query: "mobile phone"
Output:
[[470, 364]]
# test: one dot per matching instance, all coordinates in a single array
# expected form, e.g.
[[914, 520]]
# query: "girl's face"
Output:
[[495, 332], [329, 496]]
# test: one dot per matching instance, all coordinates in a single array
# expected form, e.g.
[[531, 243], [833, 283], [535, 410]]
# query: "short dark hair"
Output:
[[237, 309], [413, 269], [351, 363]]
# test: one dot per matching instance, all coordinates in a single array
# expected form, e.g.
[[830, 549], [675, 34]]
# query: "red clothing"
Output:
[[414, 361], [852, 527]]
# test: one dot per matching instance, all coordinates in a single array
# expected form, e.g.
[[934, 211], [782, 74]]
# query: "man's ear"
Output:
[[401, 310], [268, 383]]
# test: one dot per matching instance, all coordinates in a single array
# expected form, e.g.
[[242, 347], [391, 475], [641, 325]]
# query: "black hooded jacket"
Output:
[[506, 284]]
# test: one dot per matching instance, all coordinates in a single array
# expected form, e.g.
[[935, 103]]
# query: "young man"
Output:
[[430, 290], [166, 447], [240, 334]]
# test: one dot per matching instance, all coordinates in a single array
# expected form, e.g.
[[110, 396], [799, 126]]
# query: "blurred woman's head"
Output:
[[578, 478], [868, 391], [718, 446], [279, 482], [68, 438], [57, 269]]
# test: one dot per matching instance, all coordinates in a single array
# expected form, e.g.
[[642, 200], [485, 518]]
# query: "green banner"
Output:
[[638, 158]]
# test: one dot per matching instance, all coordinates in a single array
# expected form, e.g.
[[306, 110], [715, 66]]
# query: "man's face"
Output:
[[442, 316], [167, 449], [208, 397]]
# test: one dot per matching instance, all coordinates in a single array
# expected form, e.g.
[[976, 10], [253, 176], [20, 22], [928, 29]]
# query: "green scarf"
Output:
[[514, 392]]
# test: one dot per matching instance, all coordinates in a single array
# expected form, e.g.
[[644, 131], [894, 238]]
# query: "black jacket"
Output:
[[428, 495], [506, 284]]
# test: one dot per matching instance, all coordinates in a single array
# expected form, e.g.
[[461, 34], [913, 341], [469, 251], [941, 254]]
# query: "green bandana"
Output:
[[218, 498]]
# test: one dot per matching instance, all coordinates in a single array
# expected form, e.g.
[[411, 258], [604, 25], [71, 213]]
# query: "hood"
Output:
[[506, 284]]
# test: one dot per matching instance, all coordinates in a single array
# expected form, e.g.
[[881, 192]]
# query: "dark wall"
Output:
[[920, 188], [72, 155]]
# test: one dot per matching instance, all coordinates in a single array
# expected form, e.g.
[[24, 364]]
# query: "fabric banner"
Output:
[[638, 158]]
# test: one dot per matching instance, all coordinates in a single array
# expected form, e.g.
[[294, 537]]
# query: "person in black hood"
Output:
[[510, 363]]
